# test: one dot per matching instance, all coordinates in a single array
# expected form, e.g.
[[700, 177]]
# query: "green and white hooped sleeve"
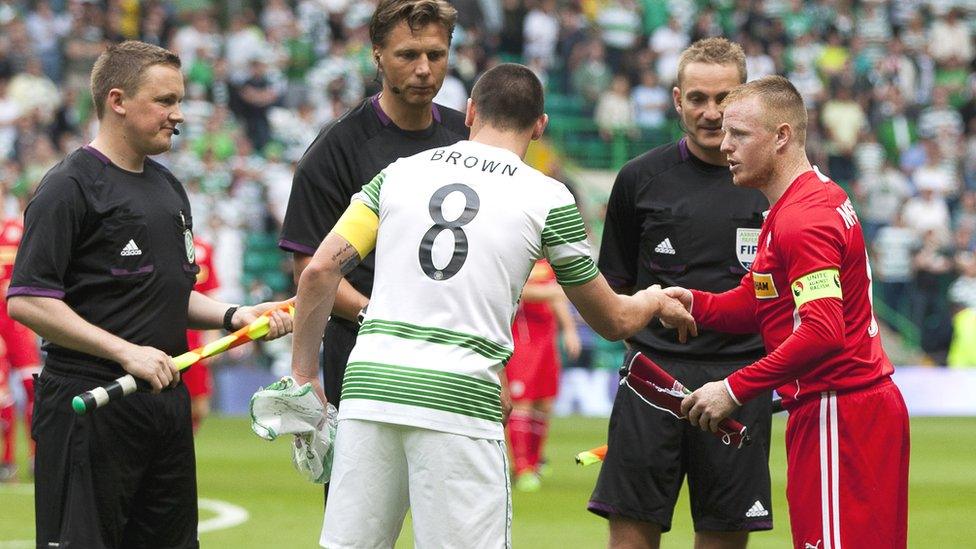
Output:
[[565, 246], [370, 194]]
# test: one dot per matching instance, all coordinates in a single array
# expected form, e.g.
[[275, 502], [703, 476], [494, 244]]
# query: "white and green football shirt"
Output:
[[460, 228]]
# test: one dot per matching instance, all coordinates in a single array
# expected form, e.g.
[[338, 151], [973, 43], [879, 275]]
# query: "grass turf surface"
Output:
[[238, 468]]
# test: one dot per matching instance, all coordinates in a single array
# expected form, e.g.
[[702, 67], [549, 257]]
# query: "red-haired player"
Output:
[[808, 293]]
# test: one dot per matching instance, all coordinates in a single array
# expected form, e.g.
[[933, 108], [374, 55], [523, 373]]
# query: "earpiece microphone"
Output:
[[379, 68], [176, 131]]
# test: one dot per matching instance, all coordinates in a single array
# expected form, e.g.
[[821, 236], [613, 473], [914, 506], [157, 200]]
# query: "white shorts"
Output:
[[457, 488]]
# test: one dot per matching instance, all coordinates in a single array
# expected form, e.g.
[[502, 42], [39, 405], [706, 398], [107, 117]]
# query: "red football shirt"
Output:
[[809, 294], [538, 312], [206, 278], [10, 233], [206, 283]]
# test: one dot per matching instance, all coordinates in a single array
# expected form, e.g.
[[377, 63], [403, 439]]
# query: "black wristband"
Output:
[[229, 317]]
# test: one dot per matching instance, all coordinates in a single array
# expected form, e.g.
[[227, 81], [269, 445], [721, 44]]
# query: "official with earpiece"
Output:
[[411, 40]]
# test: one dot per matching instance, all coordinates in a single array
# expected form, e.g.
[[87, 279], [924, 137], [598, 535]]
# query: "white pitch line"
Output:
[[228, 515]]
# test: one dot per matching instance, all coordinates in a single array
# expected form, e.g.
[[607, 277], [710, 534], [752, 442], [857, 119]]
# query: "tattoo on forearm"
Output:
[[347, 258], [337, 257]]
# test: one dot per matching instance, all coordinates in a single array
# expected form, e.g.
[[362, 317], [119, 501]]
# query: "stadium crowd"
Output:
[[890, 86]]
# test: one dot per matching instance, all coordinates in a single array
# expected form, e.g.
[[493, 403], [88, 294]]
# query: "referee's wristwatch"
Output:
[[229, 317]]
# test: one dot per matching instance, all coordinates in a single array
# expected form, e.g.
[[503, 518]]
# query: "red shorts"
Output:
[[19, 342], [533, 371], [197, 378], [847, 470]]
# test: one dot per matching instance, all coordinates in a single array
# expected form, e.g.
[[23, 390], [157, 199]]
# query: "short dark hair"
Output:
[[509, 97], [123, 66], [416, 13]]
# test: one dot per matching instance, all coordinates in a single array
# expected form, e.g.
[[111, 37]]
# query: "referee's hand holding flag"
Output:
[[152, 366], [151, 369], [160, 371]]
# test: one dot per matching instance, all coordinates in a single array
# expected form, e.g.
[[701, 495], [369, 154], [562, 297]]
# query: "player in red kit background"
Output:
[[808, 293], [198, 379], [533, 370], [19, 357]]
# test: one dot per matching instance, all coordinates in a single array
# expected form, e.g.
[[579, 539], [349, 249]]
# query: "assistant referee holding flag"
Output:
[[105, 275]]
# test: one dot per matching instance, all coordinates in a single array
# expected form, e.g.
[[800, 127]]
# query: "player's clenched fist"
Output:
[[152, 365], [708, 406]]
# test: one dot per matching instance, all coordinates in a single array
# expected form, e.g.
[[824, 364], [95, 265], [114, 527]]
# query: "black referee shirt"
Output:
[[344, 157], [675, 220], [115, 246]]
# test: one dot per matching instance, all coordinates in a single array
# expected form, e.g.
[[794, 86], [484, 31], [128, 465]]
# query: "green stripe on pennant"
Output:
[[575, 272], [564, 225], [372, 190], [434, 389], [483, 346]]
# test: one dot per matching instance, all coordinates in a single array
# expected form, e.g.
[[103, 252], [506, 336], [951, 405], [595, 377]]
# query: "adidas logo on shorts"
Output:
[[665, 247], [131, 249], [757, 510]]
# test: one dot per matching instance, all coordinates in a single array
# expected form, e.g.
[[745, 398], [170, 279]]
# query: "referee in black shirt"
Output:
[[675, 218], [411, 39], [105, 274]]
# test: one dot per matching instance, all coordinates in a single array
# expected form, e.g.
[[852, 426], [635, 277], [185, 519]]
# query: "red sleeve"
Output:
[[812, 245], [821, 333], [732, 312]]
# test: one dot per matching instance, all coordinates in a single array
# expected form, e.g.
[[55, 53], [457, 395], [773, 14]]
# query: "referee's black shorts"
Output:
[[650, 452], [122, 476]]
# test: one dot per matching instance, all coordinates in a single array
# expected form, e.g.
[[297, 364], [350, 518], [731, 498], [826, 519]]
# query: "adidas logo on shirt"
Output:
[[665, 247], [131, 249], [757, 510]]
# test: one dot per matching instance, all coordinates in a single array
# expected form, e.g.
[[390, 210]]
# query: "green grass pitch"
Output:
[[284, 511]]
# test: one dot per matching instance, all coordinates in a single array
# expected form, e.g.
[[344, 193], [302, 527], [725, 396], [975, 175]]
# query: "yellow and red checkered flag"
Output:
[[127, 384]]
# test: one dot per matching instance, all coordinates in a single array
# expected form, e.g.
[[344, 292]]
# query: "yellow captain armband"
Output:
[[359, 225], [816, 285]]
